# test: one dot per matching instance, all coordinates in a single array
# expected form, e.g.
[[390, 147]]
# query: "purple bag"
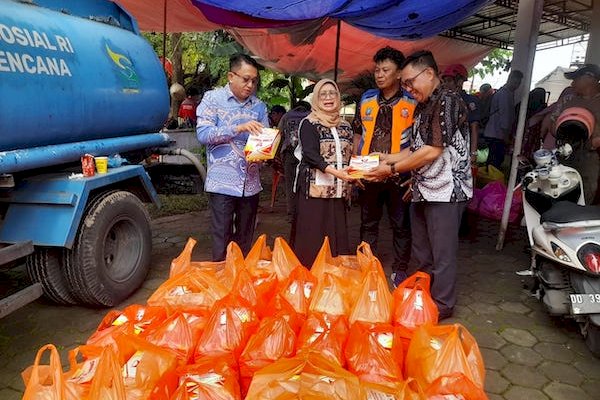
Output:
[[489, 202]]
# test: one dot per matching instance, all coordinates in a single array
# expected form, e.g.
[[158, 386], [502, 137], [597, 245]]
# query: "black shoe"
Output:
[[445, 314]]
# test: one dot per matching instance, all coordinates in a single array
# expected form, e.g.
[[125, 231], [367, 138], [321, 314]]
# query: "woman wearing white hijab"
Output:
[[321, 185]]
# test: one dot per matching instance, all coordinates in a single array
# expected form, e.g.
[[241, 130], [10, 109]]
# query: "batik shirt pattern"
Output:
[[217, 116], [442, 122]]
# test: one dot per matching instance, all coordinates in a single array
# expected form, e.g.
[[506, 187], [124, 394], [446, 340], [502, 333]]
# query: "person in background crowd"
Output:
[[324, 151], [275, 115], [288, 126], [586, 94], [225, 118], [485, 101], [187, 109], [441, 169], [498, 129], [381, 124], [532, 136], [454, 76]]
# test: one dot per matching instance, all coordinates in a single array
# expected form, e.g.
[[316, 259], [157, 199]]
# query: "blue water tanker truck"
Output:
[[77, 78]]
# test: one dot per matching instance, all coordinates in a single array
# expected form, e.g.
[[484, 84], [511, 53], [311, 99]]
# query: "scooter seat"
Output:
[[564, 212]]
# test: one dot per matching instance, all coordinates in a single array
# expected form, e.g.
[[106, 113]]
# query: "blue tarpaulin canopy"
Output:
[[300, 37], [399, 20]]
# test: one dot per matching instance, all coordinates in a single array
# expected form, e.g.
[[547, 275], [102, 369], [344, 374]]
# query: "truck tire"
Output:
[[592, 339], [111, 256], [46, 266]]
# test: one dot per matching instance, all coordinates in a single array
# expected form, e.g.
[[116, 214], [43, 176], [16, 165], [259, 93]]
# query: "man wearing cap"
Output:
[[453, 77], [586, 94], [381, 124], [498, 130]]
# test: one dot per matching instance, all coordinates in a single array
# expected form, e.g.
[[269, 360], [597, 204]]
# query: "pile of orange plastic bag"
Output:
[[265, 327]]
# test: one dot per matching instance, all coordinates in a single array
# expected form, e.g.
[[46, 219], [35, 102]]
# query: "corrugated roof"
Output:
[[563, 22]]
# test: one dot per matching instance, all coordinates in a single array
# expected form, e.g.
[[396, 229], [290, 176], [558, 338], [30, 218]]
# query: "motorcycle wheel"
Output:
[[592, 339]]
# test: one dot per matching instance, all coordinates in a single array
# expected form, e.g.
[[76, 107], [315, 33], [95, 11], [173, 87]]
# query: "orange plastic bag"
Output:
[[243, 287], [299, 289], [234, 261], [196, 322], [274, 339], [45, 382], [232, 321], [307, 376], [266, 287], [400, 390], [108, 382], [148, 370], [174, 334], [374, 301], [81, 373], [369, 353], [278, 306], [194, 291], [364, 256], [326, 334], [331, 296], [413, 304], [284, 259], [133, 320], [436, 351], [182, 263], [209, 379], [345, 267], [454, 385], [260, 255]]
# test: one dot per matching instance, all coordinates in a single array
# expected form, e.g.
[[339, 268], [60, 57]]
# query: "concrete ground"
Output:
[[528, 355]]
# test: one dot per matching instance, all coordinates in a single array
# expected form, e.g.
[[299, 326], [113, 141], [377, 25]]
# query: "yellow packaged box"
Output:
[[264, 146], [360, 164]]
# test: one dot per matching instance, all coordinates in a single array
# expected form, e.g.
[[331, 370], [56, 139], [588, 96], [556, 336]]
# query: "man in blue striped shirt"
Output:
[[225, 118]]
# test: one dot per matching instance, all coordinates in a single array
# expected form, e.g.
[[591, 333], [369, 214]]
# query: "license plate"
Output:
[[585, 303]]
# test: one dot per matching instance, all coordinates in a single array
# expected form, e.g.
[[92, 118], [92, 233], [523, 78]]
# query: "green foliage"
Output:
[[290, 90], [205, 62], [496, 60], [205, 58]]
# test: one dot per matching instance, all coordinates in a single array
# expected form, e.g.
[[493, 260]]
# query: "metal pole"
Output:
[[337, 50], [164, 55], [593, 55], [534, 23]]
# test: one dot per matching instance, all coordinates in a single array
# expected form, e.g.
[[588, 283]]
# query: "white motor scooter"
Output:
[[564, 236]]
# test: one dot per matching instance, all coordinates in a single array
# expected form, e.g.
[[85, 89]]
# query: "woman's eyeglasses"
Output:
[[246, 80], [408, 83], [331, 93]]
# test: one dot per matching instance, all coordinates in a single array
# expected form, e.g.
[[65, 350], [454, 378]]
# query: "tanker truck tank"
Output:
[[76, 77], [75, 72]]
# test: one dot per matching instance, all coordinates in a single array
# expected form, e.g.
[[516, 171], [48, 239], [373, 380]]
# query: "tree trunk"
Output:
[[176, 60]]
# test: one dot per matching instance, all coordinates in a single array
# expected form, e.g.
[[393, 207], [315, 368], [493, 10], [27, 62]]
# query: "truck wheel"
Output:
[[111, 256], [46, 266], [592, 339]]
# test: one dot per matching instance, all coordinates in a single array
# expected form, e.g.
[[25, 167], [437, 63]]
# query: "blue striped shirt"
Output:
[[217, 116]]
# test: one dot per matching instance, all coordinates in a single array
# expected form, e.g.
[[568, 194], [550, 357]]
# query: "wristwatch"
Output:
[[393, 168]]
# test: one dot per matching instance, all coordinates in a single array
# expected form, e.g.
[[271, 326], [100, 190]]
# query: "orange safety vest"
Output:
[[402, 118]]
